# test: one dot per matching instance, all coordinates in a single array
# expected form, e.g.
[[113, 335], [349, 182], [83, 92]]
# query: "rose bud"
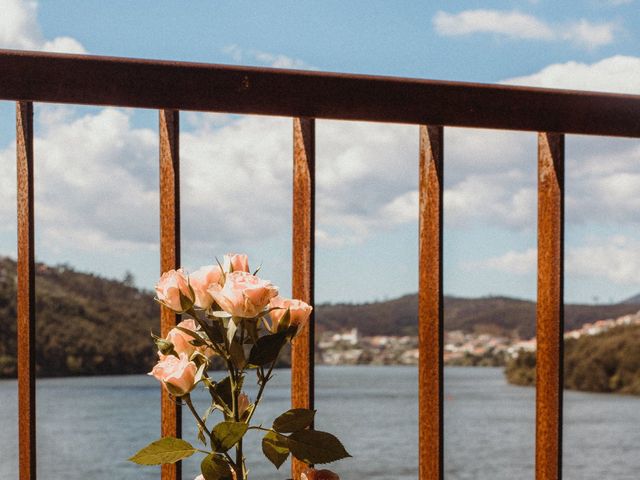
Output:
[[235, 262], [299, 312], [243, 403], [313, 474], [164, 347], [201, 280], [173, 291], [177, 374], [243, 295]]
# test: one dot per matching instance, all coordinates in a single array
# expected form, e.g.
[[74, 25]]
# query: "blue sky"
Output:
[[96, 169]]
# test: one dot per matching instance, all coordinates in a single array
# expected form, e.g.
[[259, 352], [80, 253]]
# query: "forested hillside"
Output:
[[608, 362], [87, 324], [488, 314]]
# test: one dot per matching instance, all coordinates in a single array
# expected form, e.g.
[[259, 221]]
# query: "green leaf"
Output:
[[313, 447], [231, 330], [191, 333], [227, 434], [222, 392], [207, 412], [200, 372], [275, 448], [214, 467], [165, 450], [237, 355], [213, 331], [267, 348], [294, 420], [257, 269], [198, 343], [285, 321], [251, 325]]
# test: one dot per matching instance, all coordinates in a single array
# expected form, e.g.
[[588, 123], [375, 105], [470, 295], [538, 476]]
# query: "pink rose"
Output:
[[299, 312], [243, 295], [180, 339], [236, 262], [174, 292], [176, 374], [201, 280]]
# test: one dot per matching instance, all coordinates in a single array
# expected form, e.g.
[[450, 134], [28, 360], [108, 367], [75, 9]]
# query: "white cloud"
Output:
[[63, 45], [491, 176], [503, 198], [614, 258], [589, 35], [19, 29], [513, 262], [511, 24], [519, 25], [259, 57], [617, 74], [280, 61], [235, 180]]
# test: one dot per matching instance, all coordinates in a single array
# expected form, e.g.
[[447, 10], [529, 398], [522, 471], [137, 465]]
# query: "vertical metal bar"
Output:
[[26, 294], [302, 354], [171, 418], [549, 371], [430, 304]]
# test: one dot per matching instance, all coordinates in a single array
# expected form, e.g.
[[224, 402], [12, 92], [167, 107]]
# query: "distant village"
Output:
[[460, 348]]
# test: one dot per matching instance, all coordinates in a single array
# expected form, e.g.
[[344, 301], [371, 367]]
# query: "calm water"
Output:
[[87, 427]]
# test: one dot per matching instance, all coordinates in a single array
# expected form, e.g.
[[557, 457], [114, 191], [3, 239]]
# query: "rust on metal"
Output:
[[26, 294], [302, 354], [549, 323], [171, 418], [430, 304], [93, 80]]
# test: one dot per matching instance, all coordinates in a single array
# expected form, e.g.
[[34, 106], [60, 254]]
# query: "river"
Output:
[[87, 427]]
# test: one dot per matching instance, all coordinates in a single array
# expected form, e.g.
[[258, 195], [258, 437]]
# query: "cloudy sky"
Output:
[[97, 169]]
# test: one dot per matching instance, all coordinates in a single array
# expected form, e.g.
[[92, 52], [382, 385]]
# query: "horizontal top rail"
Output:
[[124, 82]]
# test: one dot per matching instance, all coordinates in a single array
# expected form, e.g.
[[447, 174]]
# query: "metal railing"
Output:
[[28, 77]]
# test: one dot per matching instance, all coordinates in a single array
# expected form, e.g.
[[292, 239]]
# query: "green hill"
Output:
[[635, 299], [608, 362], [87, 324], [487, 314]]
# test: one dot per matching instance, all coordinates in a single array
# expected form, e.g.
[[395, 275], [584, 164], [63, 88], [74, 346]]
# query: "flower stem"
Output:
[[187, 400], [262, 385]]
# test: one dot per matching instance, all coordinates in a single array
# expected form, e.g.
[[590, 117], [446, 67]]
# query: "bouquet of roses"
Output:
[[240, 318]]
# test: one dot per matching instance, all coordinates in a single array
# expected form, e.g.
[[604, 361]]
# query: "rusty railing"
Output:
[[27, 77]]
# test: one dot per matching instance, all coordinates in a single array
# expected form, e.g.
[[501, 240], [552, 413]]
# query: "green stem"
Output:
[[262, 385], [187, 400], [258, 427], [214, 345]]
